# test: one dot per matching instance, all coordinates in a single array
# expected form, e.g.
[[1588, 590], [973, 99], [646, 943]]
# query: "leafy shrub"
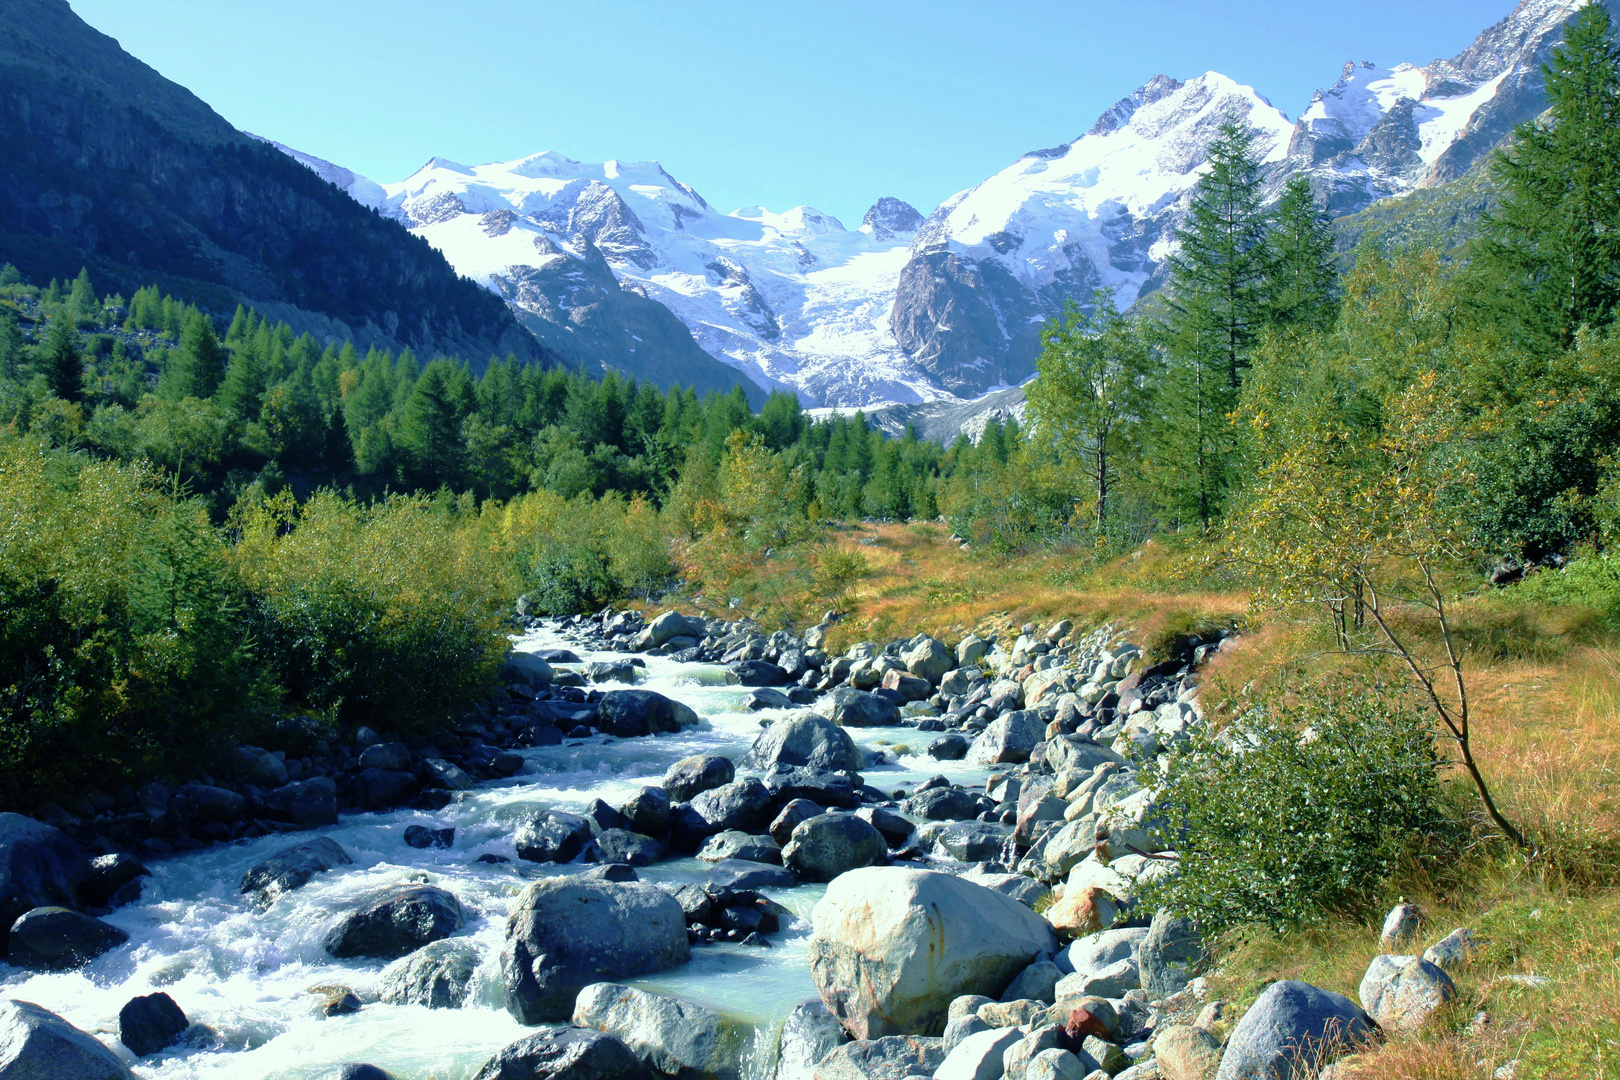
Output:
[[1591, 580], [387, 615], [571, 579], [1303, 806], [573, 555], [838, 569]]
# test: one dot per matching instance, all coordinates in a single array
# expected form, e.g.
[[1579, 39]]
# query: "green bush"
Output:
[[1591, 580], [1304, 806], [570, 579]]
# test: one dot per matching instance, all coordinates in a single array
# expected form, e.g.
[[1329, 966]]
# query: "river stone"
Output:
[[291, 868], [672, 624], [438, 975], [1185, 1052], [566, 933], [733, 844], [551, 836], [948, 748], [40, 866], [113, 881], [807, 740], [647, 811], [36, 1044], [1082, 911], [809, 1034], [604, 671], [1093, 952], [566, 1054], [151, 1023], [627, 714], [1452, 952], [1008, 739], [978, 1055], [59, 939], [390, 755], [1016, 1058], [624, 846], [1169, 956], [1057, 1063], [1401, 992], [757, 673], [1020, 1014], [892, 1058], [692, 776], [378, 789], [526, 667], [1038, 981], [357, 1071], [927, 658], [942, 804], [1025, 890], [890, 948], [305, 803], [848, 707], [742, 804], [831, 844], [395, 922], [742, 874], [959, 1028], [673, 1037], [1074, 754], [1112, 980], [895, 829], [973, 841], [765, 697], [1293, 1028]]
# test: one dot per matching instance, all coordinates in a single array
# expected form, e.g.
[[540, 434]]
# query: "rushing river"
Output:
[[256, 977]]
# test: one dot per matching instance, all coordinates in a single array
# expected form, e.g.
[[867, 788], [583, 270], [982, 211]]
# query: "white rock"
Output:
[[978, 1057]]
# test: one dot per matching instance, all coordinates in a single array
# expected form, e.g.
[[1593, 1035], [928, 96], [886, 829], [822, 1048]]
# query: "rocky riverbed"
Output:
[[682, 848]]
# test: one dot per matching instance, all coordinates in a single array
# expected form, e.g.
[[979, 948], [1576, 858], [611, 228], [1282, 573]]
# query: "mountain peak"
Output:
[[1119, 114], [890, 216]]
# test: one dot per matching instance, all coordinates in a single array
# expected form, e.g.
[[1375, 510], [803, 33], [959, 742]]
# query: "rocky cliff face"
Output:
[[105, 163]]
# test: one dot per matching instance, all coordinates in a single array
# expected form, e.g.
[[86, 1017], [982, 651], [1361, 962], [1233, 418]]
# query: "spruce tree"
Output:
[[430, 428], [197, 366], [1551, 253], [1303, 279], [58, 359], [82, 297]]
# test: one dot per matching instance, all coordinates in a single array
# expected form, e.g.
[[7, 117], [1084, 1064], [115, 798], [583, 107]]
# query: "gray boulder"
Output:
[[809, 1034], [831, 844], [1097, 951], [787, 819], [848, 707], [605, 671], [292, 867], [36, 1044], [526, 667], [624, 846], [1186, 1052], [395, 922], [59, 939], [628, 714], [1016, 1058], [927, 658], [393, 756], [1025, 890], [978, 1054], [734, 844], [942, 804], [378, 789], [551, 836], [40, 866], [973, 841], [566, 933], [742, 804], [113, 881], [805, 740], [673, 1037], [1060, 1064], [566, 1054], [948, 748], [890, 948], [259, 767], [757, 673], [692, 776], [1075, 755], [438, 975], [305, 803], [1036, 982], [1453, 952], [1170, 955], [1293, 1029], [742, 874], [894, 1057], [1401, 992], [895, 829], [672, 624], [647, 811], [1400, 926], [152, 1023], [1008, 740]]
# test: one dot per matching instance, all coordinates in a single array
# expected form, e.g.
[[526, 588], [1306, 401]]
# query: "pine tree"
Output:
[[245, 380], [1303, 278], [11, 353], [197, 367], [9, 275], [81, 300], [430, 428], [58, 359], [1551, 253]]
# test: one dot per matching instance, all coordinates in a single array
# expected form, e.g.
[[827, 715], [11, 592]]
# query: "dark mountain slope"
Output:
[[105, 163]]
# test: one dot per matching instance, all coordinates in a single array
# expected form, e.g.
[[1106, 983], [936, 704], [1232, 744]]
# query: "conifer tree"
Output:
[[1303, 279], [196, 368], [245, 380], [430, 428], [10, 346], [9, 275], [58, 359], [82, 297], [1552, 250]]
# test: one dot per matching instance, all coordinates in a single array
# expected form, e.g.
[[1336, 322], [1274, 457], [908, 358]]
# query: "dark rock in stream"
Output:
[[787, 783], [742, 804], [692, 776], [568, 1054], [757, 673], [36, 1043], [831, 844], [152, 1023], [624, 846], [57, 939], [552, 836], [113, 881], [627, 714], [290, 868], [420, 836], [437, 975], [395, 922], [786, 819], [39, 866], [647, 811], [380, 789], [740, 874], [306, 803]]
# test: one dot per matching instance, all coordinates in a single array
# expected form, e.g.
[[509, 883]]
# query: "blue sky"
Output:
[[830, 103]]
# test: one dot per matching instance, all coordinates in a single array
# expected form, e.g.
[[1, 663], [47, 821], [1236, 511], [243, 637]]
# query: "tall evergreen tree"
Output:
[[1303, 278], [245, 380], [82, 297], [1552, 251], [58, 359], [197, 366], [430, 428], [11, 350]]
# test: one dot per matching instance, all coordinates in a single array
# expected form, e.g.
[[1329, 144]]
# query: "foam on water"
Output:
[[253, 975]]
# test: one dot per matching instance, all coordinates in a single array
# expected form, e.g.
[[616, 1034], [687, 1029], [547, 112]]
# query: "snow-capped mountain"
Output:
[[620, 263]]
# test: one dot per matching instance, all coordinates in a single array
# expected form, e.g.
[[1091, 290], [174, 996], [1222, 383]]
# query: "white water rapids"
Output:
[[254, 976]]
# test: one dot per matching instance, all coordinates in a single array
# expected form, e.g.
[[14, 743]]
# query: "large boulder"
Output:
[[305, 803], [828, 845], [757, 673], [787, 783], [624, 846], [290, 868], [152, 1023], [438, 975], [809, 1034], [626, 714], [848, 707], [395, 922], [808, 740], [1008, 740], [527, 667], [692, 776], [551, 836], [566, 933], [942, 804], [927, 658], [978, 1055], [568, 1054], [672, 624], [733, 844], [36, 1044], [40, 866], [974, 841], [59, 939], [893, 1057], [1075, 755], [114, 880], [742, 804], [1093, 952], [1293, 1029], [647, 811], [1401, 992], [1185, 1052], [890, 948], [673, 1037], [1169, 956]]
